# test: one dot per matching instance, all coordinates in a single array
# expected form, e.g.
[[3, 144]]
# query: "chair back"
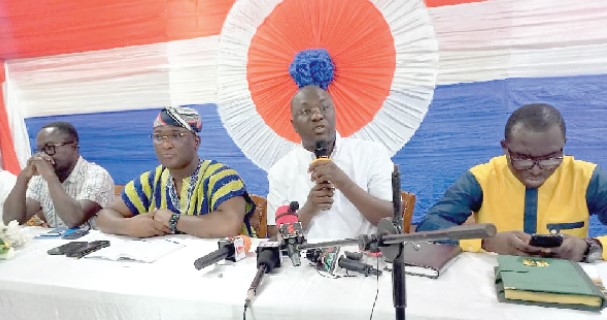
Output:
[[408, 204], [259, 218], [118, 189]]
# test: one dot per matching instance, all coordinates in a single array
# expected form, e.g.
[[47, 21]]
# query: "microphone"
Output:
[[324, 259], [290, 231], [321, 151], [358, 266], [268, 258], [470, 231], [384, 238], [232, 248], [287, 214]]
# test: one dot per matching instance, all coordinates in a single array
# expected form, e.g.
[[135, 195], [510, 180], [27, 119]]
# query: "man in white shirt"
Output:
[[59, 182], [342, 197], [7, 181]]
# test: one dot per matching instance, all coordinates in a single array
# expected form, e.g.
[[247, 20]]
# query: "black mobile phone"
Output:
[[91, 247], [68, 247], [546, 240]]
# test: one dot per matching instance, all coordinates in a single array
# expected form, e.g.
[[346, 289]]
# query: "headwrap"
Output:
[[180, 117]]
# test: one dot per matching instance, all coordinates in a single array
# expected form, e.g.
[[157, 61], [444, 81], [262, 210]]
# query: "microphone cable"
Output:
[[376, 288], [268, 258]]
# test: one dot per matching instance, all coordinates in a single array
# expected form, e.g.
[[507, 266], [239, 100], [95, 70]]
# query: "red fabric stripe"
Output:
[[7, 147], [439, 3], [49, 27]]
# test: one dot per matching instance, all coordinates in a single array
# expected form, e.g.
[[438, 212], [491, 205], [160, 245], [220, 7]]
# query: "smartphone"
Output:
[[68, 247], [546, 240], [54, 233], [91, 247], [74, 233]]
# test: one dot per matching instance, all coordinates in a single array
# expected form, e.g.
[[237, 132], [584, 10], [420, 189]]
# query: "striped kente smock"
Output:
[[215, 184]]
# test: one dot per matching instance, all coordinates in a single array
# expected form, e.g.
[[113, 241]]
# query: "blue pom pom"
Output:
[[312, 67]]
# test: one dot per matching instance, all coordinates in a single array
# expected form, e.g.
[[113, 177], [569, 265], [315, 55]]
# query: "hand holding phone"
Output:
[[546, 240]]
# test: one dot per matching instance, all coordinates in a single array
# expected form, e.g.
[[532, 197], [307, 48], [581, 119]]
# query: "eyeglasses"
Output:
[[51, 149], [528, 163], [307, 113], [170, 137]]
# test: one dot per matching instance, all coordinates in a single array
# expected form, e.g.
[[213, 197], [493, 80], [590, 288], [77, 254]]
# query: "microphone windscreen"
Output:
[[283, 215]]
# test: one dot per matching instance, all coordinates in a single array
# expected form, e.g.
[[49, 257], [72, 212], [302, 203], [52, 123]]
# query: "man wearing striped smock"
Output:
[[184, 193]]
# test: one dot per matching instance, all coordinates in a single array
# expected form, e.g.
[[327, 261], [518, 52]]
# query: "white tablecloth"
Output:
[[35, 285]]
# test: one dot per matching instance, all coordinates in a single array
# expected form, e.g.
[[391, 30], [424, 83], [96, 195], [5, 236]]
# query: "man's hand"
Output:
[[511, 242], [572, 248], [322, 171], [31, 168], [320, 197], [163, 216], [43, 164], [144, 225]]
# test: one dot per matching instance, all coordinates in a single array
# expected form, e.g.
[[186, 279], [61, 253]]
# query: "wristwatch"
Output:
[[173, 222], [594, 251]]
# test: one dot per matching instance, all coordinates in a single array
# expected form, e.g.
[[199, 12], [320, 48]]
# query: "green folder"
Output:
[[546, 281]]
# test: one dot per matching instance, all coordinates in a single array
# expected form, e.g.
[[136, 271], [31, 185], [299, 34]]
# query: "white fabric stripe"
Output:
[[193, 70], [519, 38], [16, 122], [178, 72]]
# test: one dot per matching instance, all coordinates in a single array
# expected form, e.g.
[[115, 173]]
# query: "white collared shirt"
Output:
[[368, 164], [88, 181]]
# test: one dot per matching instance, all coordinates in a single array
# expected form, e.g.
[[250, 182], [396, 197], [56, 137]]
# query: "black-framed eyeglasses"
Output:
[[51, 149], [528, 163], [170, 137]]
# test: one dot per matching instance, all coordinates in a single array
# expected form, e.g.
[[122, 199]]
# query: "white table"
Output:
[[34, 285]]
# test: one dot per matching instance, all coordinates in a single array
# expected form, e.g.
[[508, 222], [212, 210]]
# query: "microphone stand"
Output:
[[390, 241], [396, 255]]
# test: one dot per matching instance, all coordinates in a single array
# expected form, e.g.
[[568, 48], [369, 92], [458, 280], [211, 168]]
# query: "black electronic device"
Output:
[[546, 240], [90, 247], [69, 247]]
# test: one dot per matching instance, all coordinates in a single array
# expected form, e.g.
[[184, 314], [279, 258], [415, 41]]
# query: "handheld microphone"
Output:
[[233, 248], [324, 259], [358, 266], [268, 258], [290, 231], [321, 151]]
